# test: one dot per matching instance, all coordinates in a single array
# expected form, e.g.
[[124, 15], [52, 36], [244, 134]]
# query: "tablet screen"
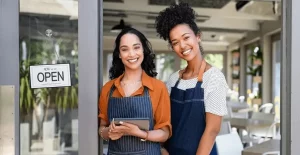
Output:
[[142, 123]]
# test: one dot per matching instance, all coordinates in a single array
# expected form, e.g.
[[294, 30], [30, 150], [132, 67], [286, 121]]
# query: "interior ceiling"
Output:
[[117, 1], [262, 8], [195, 3], [219, 20]]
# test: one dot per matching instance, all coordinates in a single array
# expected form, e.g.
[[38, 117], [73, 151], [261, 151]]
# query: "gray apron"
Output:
[[131, 107]]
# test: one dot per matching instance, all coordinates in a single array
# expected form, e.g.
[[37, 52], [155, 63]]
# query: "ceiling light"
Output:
[[221, 37]]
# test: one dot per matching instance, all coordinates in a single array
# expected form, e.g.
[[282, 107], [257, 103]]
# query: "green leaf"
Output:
[[65, 101], [22, 90], [28, 97]]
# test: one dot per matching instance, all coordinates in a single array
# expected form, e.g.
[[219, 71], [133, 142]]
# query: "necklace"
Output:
[[130, 87], [130, 83]]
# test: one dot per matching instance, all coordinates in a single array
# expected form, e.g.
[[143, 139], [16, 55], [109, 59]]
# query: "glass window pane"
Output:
[[48, 116], [276, 47]]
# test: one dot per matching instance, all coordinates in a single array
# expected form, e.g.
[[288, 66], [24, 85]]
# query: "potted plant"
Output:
[[257, 99], [236, 53], [256, 73], [235, 78], [257, 57], [236, 68]]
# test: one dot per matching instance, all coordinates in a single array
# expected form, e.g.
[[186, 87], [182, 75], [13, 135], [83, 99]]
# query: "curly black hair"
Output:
[[176, 14], [148, 64]]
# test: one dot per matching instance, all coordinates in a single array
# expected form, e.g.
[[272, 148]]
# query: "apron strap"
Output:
[[177, 82], [202, 69], [146, 92], [113, 87], [200, 76]]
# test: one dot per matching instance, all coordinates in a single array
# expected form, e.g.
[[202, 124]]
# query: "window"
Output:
[[48, 116], [276, 51]]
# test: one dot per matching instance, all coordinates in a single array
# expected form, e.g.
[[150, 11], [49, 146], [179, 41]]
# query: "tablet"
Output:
[[142, 123]]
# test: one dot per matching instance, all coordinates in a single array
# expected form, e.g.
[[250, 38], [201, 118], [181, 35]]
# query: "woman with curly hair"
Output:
[[197, 92], [133, 92]]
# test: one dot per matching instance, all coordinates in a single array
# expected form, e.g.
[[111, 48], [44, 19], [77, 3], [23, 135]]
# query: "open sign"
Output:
[[44, 76]]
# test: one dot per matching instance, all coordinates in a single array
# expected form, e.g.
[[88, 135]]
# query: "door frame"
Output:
[[90, 58], [9, 56]]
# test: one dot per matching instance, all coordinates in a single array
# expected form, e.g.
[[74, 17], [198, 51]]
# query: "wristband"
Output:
[[145, 139]]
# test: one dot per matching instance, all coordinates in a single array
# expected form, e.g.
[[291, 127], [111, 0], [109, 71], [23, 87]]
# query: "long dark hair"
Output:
[[148, 64]]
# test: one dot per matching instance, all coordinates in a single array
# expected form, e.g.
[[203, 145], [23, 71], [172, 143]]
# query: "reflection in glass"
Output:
[[48, 116]]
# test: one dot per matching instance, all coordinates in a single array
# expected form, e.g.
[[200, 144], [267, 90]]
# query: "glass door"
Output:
[[58, 101], [48, 115]]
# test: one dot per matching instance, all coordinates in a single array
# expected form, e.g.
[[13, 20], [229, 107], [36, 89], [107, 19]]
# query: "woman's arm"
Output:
[[213, 125], [103, 129], [162, 116], [215, 106], [158, 135], [105, 126], [107, 133]]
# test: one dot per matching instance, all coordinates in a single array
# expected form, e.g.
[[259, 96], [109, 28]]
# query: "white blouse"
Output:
[[215, 89]]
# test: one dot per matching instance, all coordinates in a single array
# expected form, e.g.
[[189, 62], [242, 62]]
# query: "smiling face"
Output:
[[131, 51], [184, 42]]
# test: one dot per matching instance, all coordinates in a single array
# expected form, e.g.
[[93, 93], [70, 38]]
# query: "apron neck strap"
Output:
[[202, 69], [113, 87]]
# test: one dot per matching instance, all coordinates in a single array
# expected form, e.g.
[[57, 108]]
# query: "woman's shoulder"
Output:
[[107, 86], [214, 77], [157, 84], [174, 76], [213, 72]]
